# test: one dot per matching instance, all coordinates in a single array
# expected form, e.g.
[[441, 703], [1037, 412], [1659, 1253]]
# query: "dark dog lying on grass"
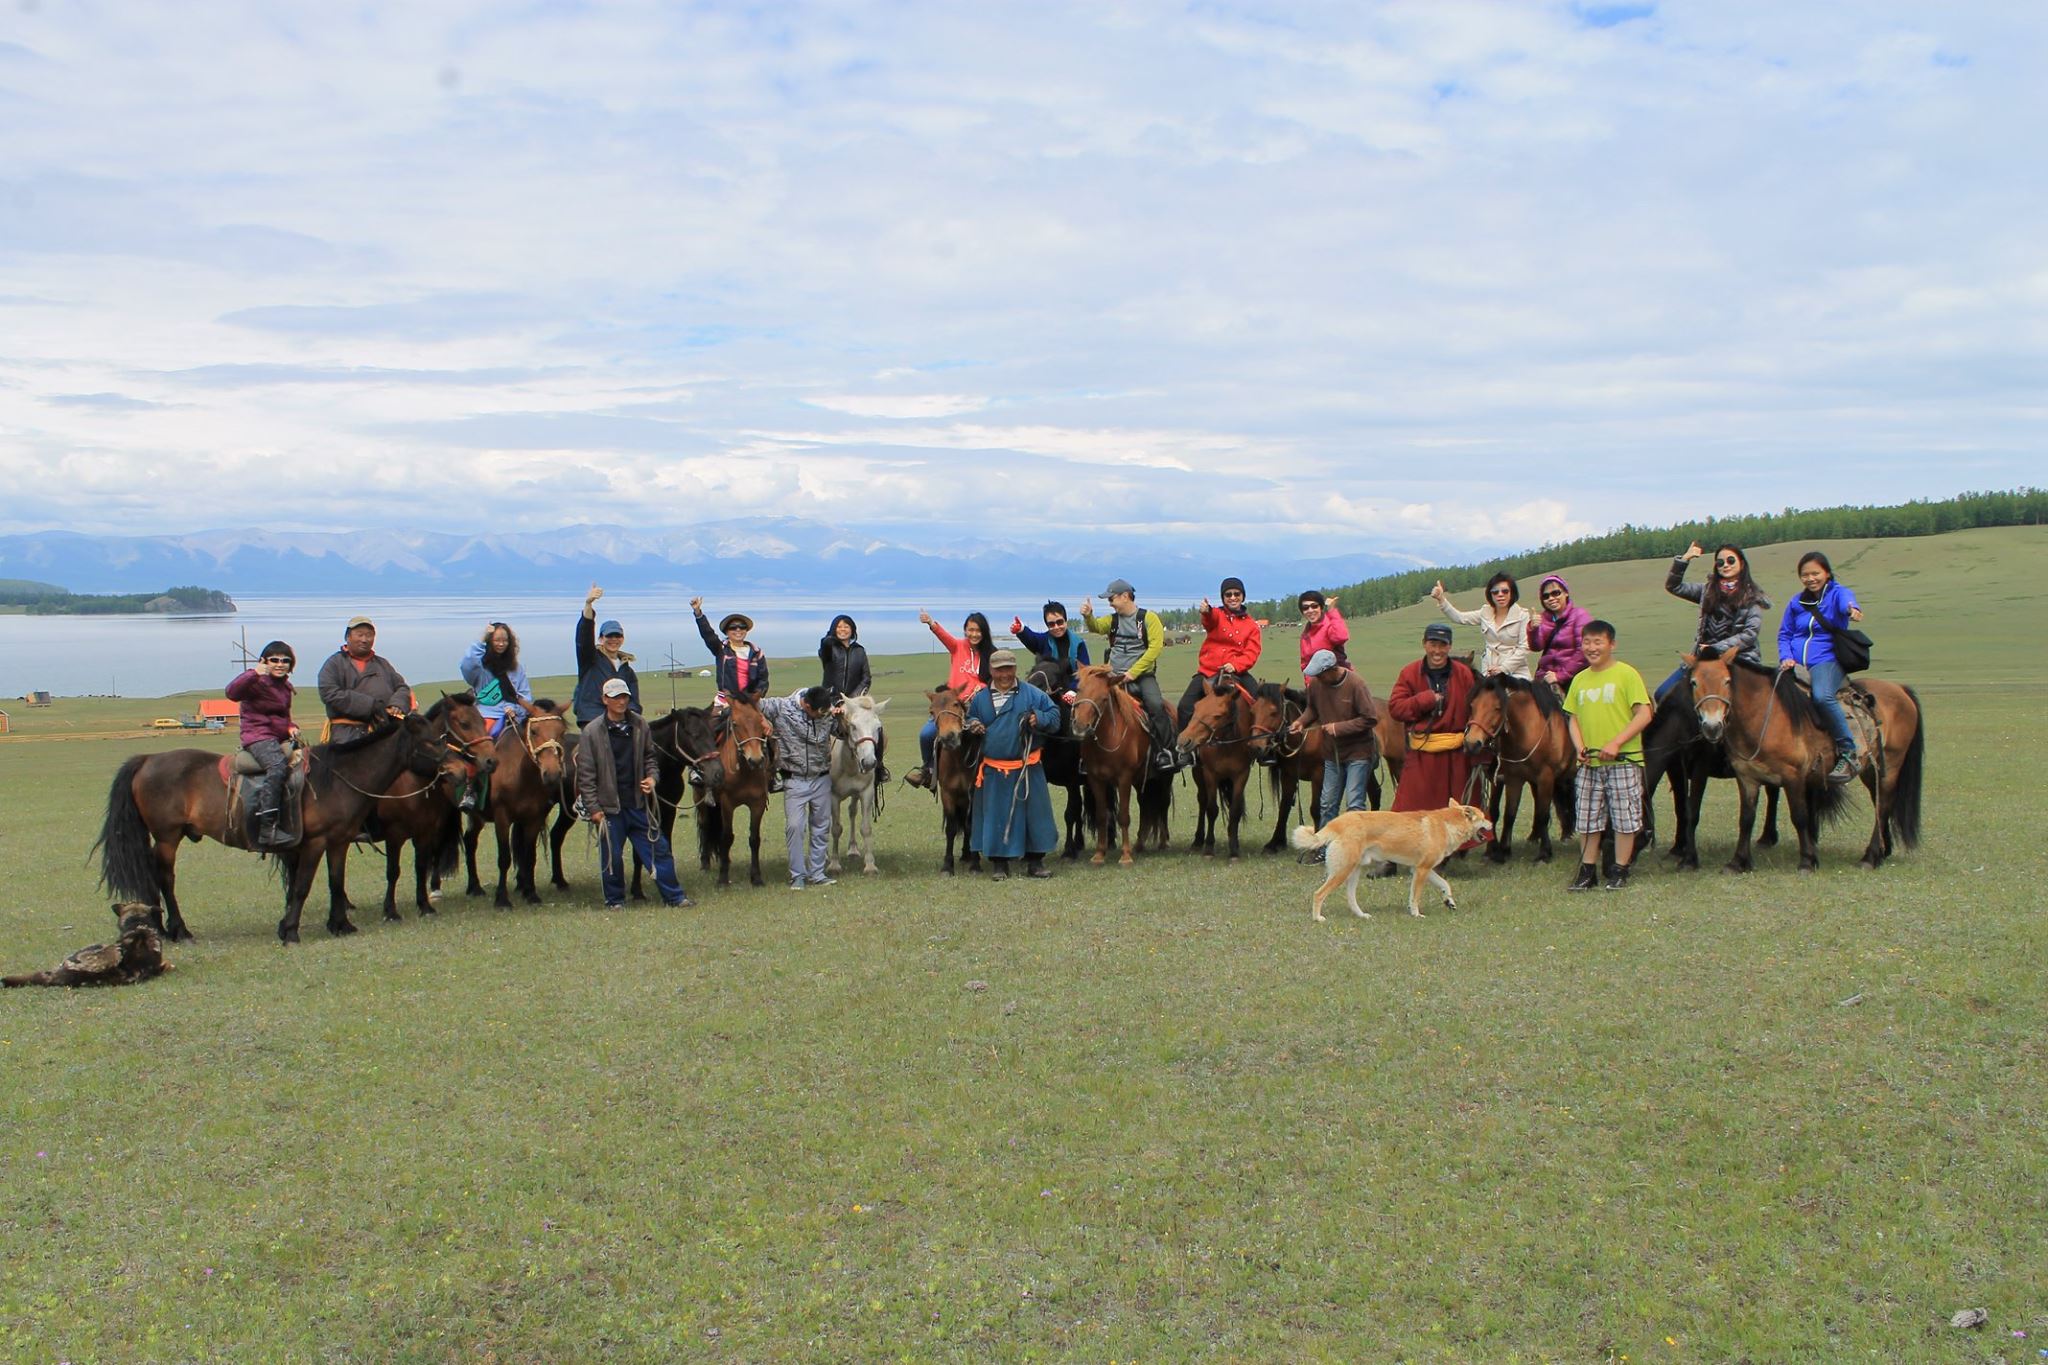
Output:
[[136, 956]]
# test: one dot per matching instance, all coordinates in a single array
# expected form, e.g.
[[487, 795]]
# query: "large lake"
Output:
[[147, 656]]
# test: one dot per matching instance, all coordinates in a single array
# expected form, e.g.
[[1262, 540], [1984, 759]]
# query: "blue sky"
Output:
[[1435, 277]]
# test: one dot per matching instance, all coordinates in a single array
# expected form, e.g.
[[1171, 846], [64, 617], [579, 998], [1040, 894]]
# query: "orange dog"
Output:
[[1420, 839]]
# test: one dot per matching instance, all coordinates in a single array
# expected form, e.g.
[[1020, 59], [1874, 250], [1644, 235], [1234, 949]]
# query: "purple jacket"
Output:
[[266, 706], [1557, 635]]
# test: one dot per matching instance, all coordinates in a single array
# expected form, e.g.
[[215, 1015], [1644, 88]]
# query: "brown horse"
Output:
[[1219, 733], [1522, 725], [743, 757], [956, 762], [157, 800], [531, 758], [1766, 722], [1116, 751], [421, 810]]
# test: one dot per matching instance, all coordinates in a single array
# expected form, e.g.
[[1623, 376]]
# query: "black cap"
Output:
[[1437, 630], [1230, 583]]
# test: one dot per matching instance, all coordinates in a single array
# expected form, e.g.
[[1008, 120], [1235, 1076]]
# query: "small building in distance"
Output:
[[220, 708], [37, 699]]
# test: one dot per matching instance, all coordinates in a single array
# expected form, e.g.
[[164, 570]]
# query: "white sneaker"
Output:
[[823, 881], [796, 883]]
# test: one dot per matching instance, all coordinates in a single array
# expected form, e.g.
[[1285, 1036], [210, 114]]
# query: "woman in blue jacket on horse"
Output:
[[1804, 638]]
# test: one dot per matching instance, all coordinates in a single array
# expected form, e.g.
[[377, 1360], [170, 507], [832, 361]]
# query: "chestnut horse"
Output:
[[421, 811], [1673, 747], [157, 800], [1116, 751], [956, 763], [1219, 733], [743, 758], [1766, 722], [1522, 725], [532, 759]]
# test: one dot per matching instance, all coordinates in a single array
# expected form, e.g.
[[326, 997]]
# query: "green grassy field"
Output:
[[1153, 1114]]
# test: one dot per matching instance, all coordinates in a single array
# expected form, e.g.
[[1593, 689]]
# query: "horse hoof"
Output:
[[474, 891], [392, 917], [1733, 869], [285, 935], [1096, 860], [425, 910], [342, 929], [1126, 862]]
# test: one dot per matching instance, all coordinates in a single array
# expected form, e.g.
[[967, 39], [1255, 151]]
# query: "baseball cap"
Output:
[[616, 687]]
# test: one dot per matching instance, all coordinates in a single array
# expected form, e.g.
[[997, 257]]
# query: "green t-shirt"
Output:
[[1605, 702]]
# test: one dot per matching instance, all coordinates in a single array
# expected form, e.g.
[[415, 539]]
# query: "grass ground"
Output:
[[1151, 1115]]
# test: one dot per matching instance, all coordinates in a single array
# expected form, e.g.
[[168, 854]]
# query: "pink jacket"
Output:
[[965, 676], [1557, 635], [1329, 633]]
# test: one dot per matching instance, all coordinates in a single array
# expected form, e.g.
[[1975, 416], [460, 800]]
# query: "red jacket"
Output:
[[1227, 639], [1413, 702]]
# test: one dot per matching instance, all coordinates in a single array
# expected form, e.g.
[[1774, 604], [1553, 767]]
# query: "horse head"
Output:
[[689, 735], [860, 725], [543, 734], [950, 713], [749, 734], [426, 753], [467, 734], [1096, 703], [1488, 713], [1713, 693], [1213, 720]]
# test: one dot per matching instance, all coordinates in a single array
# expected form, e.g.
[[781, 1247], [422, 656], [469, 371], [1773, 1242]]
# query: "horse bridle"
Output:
[[534, 751], [1095, 709], [1727, 700], [1214, 736], [1489, 737]]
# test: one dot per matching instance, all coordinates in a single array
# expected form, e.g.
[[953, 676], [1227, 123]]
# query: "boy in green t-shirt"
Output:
[[1608, 708]]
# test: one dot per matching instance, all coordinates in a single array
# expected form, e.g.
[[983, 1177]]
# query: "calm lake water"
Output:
[[148, 656]]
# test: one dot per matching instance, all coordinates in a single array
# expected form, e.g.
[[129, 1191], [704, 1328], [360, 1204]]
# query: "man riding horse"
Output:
[[1230, 647], [1136, 639]]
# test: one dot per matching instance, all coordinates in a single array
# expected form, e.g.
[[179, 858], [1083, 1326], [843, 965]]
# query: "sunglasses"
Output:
[[1726, 561], [1503, 592], [1553, 596], [277, 659], [1052, 621]]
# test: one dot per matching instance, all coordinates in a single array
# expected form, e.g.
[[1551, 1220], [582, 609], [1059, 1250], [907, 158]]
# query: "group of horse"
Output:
[[399, 780], [398, 784]]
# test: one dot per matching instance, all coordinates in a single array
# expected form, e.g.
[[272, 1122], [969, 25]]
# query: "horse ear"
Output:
[[1690, 660], [883, 705]]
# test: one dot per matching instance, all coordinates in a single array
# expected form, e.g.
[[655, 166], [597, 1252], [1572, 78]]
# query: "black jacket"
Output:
[[846, 665]]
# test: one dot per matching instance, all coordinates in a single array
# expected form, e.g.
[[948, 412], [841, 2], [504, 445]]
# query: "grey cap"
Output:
[[1117, 585], [1002, 658], [1437, 630], [1320, 661], [616, 687]]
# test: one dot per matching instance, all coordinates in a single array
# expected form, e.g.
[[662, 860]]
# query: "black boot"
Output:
[[1617, 880], [1001, 871], [1034, 866], [470, 803], [919, 777], [1587, 880]]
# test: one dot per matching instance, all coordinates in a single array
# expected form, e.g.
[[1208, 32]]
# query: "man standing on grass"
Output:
[[803, 722], [1608, 709], [1433, 698], [1009, 820], [1341, 706], [615, 773]]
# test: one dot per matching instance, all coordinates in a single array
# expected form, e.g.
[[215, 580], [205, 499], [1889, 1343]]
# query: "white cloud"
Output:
[[517, 264]]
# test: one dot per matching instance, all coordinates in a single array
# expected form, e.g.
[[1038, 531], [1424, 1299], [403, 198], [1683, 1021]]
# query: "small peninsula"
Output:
[[21, 596]]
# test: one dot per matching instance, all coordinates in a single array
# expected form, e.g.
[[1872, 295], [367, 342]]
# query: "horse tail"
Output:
[[1827, 801], [1564, 797], [1905, 803], [1306, 837], [710, 828], [127, 859], [448, 851]]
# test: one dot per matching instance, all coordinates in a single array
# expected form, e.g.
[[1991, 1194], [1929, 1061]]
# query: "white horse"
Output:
[[857, 747]]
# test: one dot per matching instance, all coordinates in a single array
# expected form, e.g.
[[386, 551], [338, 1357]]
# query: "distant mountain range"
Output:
[[786, 554]]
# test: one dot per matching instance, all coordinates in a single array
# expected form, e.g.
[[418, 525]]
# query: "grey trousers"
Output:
[[807, 821]]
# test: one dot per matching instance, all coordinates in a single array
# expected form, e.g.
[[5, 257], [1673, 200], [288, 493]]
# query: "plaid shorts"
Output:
[[1610, 797]]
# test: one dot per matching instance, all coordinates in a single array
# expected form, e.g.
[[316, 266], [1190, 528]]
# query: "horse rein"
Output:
[[1727, 700]]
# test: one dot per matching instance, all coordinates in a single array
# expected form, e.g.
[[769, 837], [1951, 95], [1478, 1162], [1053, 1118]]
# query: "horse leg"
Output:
[[1769, 838], [1506, 792], [338, 903], [1235, 789], [526, 852], [1544, 791], [167, 888], [867, 828], [1805, 823], [728, 830], [472, 830], [833, 867], [1881, 802], [1742, 862], [503, 826], [754, 841], [424, 856], [394, 858], [1123, 800], [303, 861], [564, 818], [1205, 815], [1689, 829]]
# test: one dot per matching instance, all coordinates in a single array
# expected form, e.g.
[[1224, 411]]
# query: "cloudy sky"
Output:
[[1434, 275]]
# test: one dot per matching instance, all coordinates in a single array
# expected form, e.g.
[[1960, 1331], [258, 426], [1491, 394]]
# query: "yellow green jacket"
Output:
[[1155, 639]]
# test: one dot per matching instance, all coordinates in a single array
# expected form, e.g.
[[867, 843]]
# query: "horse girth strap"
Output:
[[1005, 765], [1435, 742]]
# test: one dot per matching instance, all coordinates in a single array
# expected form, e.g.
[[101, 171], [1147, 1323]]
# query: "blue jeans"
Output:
[[1677, 676], [1828, 679], [1345, 779], [653, 851], [926, 738]]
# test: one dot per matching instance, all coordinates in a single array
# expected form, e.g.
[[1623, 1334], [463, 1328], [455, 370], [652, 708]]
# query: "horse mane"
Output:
[[1507, 684], [547, 706], [1794, 696], [449, 699]]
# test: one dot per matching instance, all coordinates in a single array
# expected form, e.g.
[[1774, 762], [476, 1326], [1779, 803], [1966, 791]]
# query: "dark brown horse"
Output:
[[421, 810], [685, 742], [1116, 749], [743, 757], [1674, 748], [158, 800], [1061, 753], [956, 760], [1766, 722], [532, 759], [1522, 726], [1291, 758], [1219, 733]]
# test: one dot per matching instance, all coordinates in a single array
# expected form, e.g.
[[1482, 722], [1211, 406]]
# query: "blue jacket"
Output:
[[490, 692], [1804, 640], [593, 671], [1040, 643]]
